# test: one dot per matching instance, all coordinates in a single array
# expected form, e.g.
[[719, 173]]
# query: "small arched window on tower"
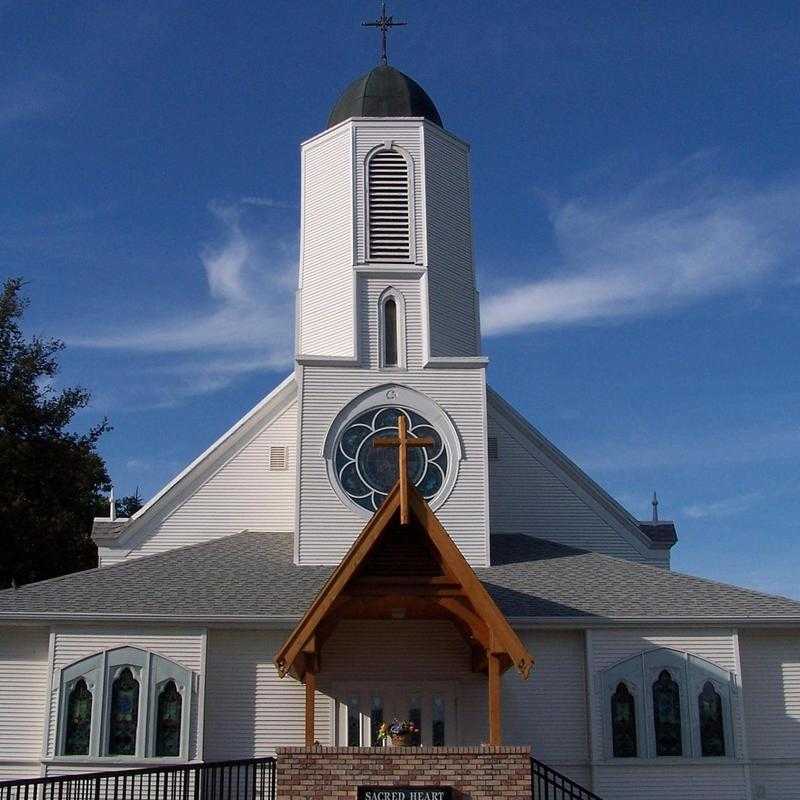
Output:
[[388, 207], [392, 329]]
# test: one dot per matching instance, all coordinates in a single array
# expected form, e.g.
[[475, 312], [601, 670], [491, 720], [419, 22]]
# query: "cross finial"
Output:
[[385, 24], [402, 442], [654, 503]]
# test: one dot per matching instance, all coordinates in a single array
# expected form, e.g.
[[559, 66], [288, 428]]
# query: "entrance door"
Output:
[[361, 708]]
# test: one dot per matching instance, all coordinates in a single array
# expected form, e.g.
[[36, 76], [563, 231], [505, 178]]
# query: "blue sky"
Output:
[[636, 182]]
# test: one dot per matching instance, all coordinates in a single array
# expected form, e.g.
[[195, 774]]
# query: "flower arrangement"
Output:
[[400, 734]]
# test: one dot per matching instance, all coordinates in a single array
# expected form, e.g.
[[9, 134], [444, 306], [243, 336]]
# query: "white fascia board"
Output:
[[572, 474], [280, 396]]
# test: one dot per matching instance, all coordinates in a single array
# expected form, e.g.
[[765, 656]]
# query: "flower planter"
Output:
[[402, 740]]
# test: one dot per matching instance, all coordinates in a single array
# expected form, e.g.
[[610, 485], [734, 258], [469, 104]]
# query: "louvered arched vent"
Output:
[[389, 209]]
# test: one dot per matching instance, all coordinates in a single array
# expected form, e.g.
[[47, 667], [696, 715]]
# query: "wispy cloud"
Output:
[[677, 238], [30, 97], [250, 306], [724, 446], [727, 507], [244, 326]]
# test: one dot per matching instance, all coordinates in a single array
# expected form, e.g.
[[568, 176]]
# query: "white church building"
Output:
[[272, 585]]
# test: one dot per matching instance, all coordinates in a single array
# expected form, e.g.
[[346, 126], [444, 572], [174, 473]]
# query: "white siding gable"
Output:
[[533, 495], [231, 489]]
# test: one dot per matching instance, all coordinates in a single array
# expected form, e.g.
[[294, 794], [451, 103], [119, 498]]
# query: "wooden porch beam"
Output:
[[495, 734], [310, 681]]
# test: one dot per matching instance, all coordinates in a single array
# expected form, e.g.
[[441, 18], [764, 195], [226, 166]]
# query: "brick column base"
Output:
[[334, 773]]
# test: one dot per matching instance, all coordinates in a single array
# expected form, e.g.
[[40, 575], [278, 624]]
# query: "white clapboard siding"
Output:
[[327, 526], [529, 495], [775, 781], [184, 646], [771, 686], [548, 711], [372, 134], [453, 315], [326, 303], [244, 493], [23, 699], [249, 709], [675, 782]]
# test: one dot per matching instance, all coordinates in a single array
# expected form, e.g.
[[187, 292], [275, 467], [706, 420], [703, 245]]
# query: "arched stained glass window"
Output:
[[667, 716], [712, 730], [623, 722], [390, 333], [124, 716], [168, 721], [79, 720]]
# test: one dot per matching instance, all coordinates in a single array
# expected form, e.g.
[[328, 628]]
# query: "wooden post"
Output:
[[310, 681], [493, 662]]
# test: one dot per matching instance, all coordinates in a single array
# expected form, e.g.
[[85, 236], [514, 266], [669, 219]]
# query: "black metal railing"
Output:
[[245, 779], [547, 784]]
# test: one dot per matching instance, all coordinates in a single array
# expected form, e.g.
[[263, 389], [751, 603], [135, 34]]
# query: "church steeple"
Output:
[[387, 317]]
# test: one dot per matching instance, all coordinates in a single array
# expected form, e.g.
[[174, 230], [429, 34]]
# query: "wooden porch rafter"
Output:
[[456, 594]]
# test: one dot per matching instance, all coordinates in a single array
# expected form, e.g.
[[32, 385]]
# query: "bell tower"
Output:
[[387, 318]]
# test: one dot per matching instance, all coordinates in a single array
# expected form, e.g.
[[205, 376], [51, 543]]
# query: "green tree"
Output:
[[127, 506], [51, 478]]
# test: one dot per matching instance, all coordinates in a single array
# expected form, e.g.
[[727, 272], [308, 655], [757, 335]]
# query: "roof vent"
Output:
[[389, 209], [278, 458]]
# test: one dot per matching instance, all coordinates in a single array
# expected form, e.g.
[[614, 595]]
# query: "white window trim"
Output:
[[412, 226], [391, 293], [99, 670], [691, 673]]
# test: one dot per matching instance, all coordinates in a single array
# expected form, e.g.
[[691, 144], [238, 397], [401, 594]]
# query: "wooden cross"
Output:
[[384, 24], [402, 442]]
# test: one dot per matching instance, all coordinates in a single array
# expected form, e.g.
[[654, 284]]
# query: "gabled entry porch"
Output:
[[405, 567]]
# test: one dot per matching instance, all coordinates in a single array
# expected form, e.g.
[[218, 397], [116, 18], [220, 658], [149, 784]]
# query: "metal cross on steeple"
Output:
[[385, 24]]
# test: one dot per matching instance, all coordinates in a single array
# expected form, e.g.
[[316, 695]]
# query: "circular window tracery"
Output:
[[366, 473]]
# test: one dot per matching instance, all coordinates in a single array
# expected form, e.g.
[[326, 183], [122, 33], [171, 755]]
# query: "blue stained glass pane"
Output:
[[168, 731], [79, 720], [124, 715]]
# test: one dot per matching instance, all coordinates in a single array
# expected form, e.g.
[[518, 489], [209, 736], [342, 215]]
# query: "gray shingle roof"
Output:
[[252, 575], [108, 530]]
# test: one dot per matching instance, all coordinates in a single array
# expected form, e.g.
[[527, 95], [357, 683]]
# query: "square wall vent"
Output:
[[278, 458]]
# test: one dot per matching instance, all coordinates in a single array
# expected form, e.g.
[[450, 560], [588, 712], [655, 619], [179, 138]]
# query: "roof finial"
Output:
[[385, 24], [112, 506], [654, 503]]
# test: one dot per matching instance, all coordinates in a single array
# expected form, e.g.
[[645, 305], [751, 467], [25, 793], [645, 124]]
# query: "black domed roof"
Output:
[[384, 92]]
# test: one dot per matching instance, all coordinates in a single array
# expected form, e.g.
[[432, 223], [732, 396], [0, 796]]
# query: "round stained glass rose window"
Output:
[[367, 473]]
